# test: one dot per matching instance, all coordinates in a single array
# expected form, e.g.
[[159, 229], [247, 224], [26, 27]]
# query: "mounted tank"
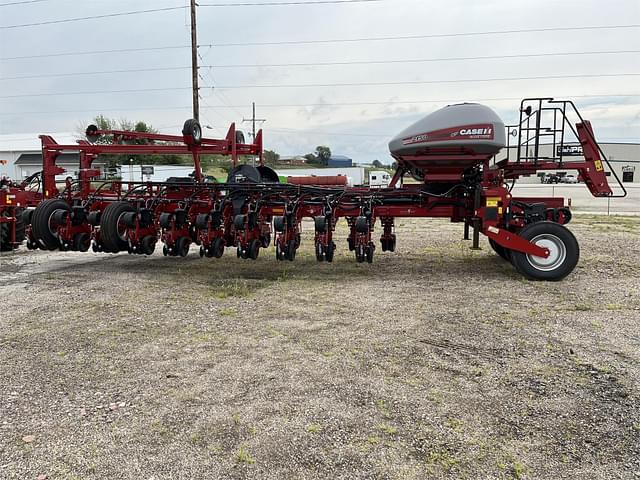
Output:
[[465, 128]]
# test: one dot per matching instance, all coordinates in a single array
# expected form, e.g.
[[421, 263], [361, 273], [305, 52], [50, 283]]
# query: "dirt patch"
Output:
[[436, 361]]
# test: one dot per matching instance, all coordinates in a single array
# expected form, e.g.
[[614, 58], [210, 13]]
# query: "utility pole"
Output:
[[194, 62], [253, 121]]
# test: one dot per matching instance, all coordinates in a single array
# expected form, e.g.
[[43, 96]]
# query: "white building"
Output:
[[22, 155]]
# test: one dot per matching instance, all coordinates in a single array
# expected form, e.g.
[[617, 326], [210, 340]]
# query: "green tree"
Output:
[[377, 163], [271, 157], [106, 123], [323, 154]]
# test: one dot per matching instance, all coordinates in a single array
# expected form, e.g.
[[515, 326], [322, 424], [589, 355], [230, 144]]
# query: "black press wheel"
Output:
[[319, 252], [254, 249], [81, 242], [291, 250], [5, 231], [329, 251], [369, 252], [113, 229], [182, 246], [505, 253], [149, 244], [217, 247], [278, 224], [562, 245], [43, 224]]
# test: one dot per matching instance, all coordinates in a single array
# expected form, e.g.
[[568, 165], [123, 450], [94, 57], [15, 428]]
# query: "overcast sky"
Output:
[[300, 118]]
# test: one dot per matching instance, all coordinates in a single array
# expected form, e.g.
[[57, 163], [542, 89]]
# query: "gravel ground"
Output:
[[434, 362]]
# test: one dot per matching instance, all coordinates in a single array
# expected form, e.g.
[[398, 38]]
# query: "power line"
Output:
[[418, 60], [425, 82], [103, 72], [95, 52], [435, 35], [297, 42], [272, 4], [298, 105], [355, 62], [22, 2], [92, 17], [95, 92], [330, 85]]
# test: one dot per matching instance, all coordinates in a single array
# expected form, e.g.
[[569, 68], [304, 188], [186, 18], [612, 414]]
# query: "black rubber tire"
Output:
[[362, 225], [40, 225], [321, 224], [504, 253], [165, 219], [109, 226], [239, 222], [291, 250], [524, 263], [192, 129], [254, 249], [278, 224], [217, 247], [148, 245], [21, 215], [369, 252], [329, 251], [81, 242], [202, 221], [351, 244], [360, 253], [182, 246], [319, 252]]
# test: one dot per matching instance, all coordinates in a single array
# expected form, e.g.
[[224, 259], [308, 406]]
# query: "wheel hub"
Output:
[[557, 252]]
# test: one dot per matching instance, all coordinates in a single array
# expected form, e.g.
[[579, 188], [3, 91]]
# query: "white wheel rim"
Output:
[[557, 253]]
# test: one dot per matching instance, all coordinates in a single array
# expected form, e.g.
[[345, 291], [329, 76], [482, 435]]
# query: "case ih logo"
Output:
[[472, 132]]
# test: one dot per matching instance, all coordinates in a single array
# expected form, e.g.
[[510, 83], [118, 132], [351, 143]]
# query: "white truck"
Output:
[[379, 179]]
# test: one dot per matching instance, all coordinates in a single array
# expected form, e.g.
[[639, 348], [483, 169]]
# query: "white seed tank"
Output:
[[470, 126]]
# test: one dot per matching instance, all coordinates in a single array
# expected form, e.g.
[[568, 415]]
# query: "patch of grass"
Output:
[[373, 439], [582, 307], [314, 428], [442, 459], [228, 312], [455, 424], [242, 456], [383, 408], [387, 429]]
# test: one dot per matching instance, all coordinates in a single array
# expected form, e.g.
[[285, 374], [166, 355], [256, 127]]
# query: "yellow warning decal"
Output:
[[598, 164], [493, 201]]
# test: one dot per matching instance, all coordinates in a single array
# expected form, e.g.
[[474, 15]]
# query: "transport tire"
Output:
[[564, 248], [113, 230], [504, 253], [193, 129], [43, 226]]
